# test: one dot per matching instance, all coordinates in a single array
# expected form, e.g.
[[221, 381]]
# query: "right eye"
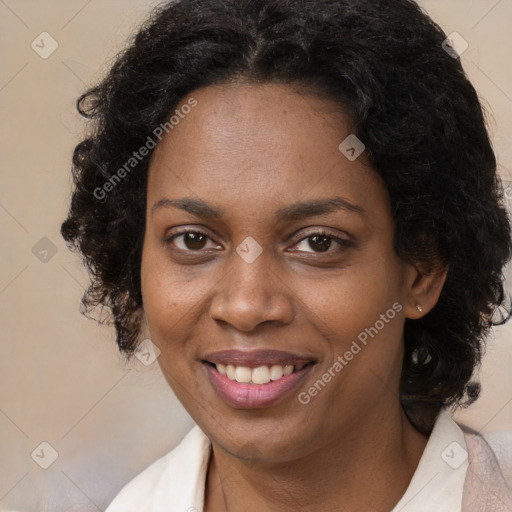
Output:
[[190, 241]]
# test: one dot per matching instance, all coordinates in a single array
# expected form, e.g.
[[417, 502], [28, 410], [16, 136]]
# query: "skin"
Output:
[[250, 150]]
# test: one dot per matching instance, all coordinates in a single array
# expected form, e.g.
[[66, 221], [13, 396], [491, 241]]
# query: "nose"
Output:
[[251, 294]]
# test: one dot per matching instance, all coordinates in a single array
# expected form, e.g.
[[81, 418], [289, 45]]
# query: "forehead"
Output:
[[257, 145]]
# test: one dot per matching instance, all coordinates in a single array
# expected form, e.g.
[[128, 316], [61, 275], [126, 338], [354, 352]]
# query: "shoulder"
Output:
[[178, 477], [486, 487]]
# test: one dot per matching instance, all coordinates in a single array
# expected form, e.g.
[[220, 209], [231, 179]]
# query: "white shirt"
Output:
[[176, 482]]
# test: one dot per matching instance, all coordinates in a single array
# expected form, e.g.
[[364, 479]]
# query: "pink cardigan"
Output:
[[485, 488]]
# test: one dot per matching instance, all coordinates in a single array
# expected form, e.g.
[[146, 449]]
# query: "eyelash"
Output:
[[170, 239], [340, 241]]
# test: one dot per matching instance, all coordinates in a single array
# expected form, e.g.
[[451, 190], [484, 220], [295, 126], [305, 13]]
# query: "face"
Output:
[[268, 251]]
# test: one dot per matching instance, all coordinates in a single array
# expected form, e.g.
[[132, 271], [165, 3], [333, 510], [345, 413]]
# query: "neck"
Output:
[[367, 468]]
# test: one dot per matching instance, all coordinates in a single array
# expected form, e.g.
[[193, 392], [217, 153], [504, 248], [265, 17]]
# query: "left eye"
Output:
[[319, 242]]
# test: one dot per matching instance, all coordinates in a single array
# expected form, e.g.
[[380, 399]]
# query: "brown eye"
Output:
[[190, 241], [319, 243], [194, 241]]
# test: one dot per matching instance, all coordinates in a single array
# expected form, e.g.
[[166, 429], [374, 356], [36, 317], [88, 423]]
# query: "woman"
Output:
[[300, 200]]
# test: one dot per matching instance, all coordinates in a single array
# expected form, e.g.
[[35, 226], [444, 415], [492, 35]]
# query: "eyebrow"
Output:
[[293, 212]]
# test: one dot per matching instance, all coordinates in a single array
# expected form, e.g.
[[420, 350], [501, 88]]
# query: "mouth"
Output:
[[256, 379], [257, 376]]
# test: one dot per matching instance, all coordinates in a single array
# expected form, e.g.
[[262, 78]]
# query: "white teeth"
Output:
[[243, 374], [230, 371], [276, 372], [288, 369], [260, 375]]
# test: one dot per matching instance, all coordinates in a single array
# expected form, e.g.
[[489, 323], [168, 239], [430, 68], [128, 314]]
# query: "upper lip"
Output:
[[255, 358]]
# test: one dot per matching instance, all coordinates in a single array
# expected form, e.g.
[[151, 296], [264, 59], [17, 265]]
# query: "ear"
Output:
[[424, 288]]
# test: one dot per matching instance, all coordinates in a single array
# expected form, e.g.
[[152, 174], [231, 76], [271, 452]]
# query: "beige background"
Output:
[[61, 379]]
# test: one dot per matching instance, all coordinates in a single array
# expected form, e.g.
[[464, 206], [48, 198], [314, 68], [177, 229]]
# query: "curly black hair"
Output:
[[386, 63]]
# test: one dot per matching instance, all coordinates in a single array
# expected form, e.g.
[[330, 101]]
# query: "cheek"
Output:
[[353, 298], [358, 311], [173, 300], [168, 308], [163, 299]]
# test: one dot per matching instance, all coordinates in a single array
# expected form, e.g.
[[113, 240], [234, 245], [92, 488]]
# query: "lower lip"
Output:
[[255, 396]]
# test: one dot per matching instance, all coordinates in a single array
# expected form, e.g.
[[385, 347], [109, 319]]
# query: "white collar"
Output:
[[178, 479], [438, 481]]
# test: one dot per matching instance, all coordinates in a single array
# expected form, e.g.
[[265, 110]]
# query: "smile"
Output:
[[259, 375], [256, 379]]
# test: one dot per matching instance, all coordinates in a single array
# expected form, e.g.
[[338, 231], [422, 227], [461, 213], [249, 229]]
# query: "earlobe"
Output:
[[424, 291]]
